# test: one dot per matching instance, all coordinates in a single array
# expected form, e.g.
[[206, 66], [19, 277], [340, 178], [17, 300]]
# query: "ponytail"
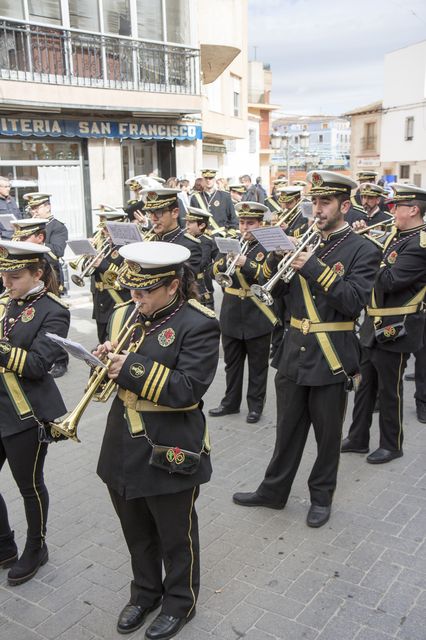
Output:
[[49, 276]]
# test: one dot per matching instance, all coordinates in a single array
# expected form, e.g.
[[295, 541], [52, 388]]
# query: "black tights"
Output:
[[25, 455]]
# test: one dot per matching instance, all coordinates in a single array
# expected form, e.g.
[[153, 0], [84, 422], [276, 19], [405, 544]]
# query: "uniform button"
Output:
[[313, 298], [322, 245], [20, 303], [148, 323], [11, 320], [302, 348]]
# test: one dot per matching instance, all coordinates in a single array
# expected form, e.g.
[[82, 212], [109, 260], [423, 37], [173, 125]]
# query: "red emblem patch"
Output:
[[166, 337], [338, 268], [28, 314], [392, 257]]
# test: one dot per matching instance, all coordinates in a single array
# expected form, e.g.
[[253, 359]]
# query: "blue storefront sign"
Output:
[[123, 129]]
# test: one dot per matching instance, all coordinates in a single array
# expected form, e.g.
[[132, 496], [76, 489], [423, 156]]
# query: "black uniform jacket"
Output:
[[204, 278], [171, 372], [340, 276], [401, 276], [240, 316], [56, 238], [26, 357], [219, 204], [181, 237], [378, 216], [106, 292]]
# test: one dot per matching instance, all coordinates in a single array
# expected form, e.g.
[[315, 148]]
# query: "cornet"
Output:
[[103, 252], [225, 279], [285, 271]]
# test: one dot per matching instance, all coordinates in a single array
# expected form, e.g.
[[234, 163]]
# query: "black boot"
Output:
[[28, 565], [8, 550]]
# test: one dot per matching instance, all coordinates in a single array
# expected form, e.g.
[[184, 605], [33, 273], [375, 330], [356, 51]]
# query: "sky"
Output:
[[327, 56]]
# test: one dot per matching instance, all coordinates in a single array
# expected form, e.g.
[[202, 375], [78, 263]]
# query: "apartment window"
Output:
[[12, 9], [324, 125], [150, 19], [84, 16], [404, 171], [236, 96], [45, 11], [409, 128], [296, 139], [117, 17], [178, 21], [252, 141], [369, 136], [320, 138], [214, 95]]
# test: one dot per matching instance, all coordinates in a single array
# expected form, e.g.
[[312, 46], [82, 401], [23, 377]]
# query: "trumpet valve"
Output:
[[261, 294], [223, 279]]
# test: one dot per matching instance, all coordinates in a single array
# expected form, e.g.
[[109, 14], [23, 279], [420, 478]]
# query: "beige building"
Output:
[[94, 92], [366, 126]]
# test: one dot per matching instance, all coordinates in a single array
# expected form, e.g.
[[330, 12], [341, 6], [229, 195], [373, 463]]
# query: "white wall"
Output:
[[405, 75], [106, 176]]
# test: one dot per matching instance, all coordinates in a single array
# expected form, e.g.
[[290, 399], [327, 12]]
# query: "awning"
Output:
[[214, 60]]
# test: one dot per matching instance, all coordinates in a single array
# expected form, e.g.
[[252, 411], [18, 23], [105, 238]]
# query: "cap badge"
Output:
[[137, 370], [3, 253], [152, 196], [166, 337], [317, 181], [134, 266], [245, 207], [28, 314]]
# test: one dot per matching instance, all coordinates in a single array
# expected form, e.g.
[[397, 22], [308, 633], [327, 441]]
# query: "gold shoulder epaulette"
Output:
[[58, 300], [193, 238], [423, 239], [122, 304], [201, 308]]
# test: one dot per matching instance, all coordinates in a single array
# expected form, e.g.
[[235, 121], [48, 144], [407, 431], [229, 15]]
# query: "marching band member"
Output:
[[197, 222], [216, 202], [155, 451], [29, 397], [319, 358], [371, 196], [393, 328], [246, 324]]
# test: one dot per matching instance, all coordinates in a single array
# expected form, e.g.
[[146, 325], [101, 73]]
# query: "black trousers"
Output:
[[26, 455], [102, 331], [420, 374], [235, 352], [297, 408], [382, 375], [162, 529]]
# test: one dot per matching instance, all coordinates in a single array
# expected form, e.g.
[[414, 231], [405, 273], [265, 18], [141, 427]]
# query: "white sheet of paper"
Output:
[[76, 350], [82, 247], [228, 245], [273, 239], [123, 233], [5, 220]]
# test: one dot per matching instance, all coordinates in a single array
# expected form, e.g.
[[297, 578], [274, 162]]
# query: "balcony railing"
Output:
[[63, 56]]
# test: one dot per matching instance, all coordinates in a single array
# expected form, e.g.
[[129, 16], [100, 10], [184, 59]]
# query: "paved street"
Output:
[[265, 574]]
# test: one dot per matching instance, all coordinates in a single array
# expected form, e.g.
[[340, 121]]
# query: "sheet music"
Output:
[[82, 247], [123, 233], [273, 239], [228, 245], [76, 350]]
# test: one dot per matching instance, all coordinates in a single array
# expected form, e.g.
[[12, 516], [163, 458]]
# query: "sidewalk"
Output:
[[265, 574]]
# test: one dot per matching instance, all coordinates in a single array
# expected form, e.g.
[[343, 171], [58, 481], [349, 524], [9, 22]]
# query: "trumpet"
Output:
[[285, 271], [225, 279], [96, 388], [289, 216], [379, 229], [96, 241], [103, 252]]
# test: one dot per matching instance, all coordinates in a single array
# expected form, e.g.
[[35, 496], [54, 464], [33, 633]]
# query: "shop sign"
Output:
[[135, 129]]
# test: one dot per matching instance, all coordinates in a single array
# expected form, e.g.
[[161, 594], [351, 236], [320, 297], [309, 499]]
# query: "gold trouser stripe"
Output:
[[135, 422], [161, 384], [155, 381], [324, 341], [118, 318], [145, 405], [191, 551], [398, 384], [38, 495], [17, 395], [261, 305], [315, 327], [149, 378]]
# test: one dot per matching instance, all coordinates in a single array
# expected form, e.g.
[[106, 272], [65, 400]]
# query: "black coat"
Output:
[[174, 367], [30, 355], [204, 278], [220, 205], [181, 237], [345, 264], [401, 276], [105, 299], [240, 317]]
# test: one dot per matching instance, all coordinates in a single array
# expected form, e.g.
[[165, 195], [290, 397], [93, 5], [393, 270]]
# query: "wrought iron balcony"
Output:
[[62, 56]]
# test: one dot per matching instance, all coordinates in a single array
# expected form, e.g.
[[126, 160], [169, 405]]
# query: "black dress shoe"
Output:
[[348, 447], [318, 515], [28, 565], [380, 456], [58, 370], [133, 617], [222, 411], [8, 551], [410, 377], [253, 417], [165, 627], [421, 411], [255, 500]]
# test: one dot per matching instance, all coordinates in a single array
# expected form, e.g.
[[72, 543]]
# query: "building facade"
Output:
[[96, 91], [366, 127]]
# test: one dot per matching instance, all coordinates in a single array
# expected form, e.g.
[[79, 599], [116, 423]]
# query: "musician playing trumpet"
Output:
[[371, 196], [246, 324], [318, 360]]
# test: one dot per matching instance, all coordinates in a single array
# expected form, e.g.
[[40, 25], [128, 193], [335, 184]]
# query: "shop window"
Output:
[[45, 11], [404, 171]]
